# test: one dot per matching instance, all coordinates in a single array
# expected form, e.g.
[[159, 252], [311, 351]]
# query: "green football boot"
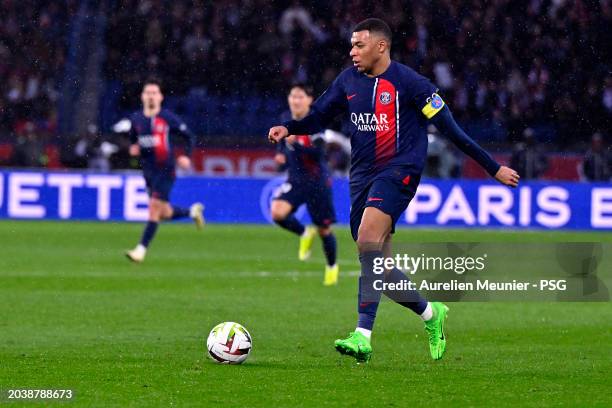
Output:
[[356, 345], [435, 330]]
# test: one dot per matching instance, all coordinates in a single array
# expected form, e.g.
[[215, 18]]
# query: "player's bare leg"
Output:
[[280, 209]]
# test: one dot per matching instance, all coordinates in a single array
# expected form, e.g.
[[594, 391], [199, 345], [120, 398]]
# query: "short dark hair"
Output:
[[152, 81], [304, 87], [375, 25]]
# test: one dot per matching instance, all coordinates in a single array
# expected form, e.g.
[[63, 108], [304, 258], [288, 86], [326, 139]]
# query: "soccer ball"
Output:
[[229, 343]]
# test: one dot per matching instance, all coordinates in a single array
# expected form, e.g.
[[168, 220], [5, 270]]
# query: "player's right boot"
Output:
[[356, 345], [306, 243], [137, 254], [196, 212], [435, 330]]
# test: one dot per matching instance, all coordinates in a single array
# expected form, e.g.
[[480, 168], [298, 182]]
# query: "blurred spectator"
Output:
[[441, 161], [528, 159], [90, 151], [338, 152], [597, 160], [28, 150]]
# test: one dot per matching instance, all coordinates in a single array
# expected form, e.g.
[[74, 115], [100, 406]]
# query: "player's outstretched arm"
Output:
[[307, 126], [446, 124], [507, 176], [326, 107]]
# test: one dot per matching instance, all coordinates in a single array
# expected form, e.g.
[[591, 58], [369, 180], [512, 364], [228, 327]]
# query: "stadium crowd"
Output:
[[521, 63], [538, 64], [32, 53]]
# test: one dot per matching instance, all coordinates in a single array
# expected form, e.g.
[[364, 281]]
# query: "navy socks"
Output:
[[149, 233], [368, 298], [329, 247], [178, 212], [407, 298], [292, 224]]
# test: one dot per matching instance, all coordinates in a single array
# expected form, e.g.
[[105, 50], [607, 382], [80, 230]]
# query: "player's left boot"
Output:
[[196, 212], [435, 330], [356, 345], [306, 243], [137, 254], [331, 275]]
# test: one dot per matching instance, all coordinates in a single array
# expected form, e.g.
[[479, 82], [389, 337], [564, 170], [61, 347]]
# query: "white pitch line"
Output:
[[286, 274], [189, 274]]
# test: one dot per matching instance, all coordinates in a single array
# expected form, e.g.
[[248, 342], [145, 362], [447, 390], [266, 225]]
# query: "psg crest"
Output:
[[385, 98]]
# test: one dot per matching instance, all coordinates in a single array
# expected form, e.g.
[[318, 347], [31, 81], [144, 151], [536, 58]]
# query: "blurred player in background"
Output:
[[152, 136], [309, 183], [389, 106]]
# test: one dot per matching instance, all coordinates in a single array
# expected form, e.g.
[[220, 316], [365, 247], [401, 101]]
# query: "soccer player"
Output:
[[308, 182], [152, 136], [389, 106]]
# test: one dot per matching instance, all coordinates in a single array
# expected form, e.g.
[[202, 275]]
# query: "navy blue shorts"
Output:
[[391, 194], [159, 184], [318, 200]]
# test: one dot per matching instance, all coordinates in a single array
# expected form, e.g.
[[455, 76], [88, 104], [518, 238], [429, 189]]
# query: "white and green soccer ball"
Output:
[[229, 343]]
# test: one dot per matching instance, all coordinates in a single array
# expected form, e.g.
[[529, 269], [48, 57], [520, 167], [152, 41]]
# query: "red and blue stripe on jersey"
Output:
[[385, 106], [154, 137], [161, 131]]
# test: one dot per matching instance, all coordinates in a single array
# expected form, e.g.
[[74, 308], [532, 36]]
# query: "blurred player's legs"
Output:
[[159, 210], [320, 208], [282, 212]]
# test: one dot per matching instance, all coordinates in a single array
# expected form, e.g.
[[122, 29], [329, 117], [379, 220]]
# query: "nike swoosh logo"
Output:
[[374, 199], [349, 97]]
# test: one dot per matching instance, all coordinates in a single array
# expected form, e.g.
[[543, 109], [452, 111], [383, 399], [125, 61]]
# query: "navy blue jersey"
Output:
[[156, 137], [386, 117], [306, 162]]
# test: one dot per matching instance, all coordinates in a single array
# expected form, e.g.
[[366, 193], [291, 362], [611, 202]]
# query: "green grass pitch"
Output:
[[75, 314]]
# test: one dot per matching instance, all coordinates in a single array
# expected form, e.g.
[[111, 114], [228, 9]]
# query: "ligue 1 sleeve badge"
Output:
[[385, 98], [436, 101], [433, 106]]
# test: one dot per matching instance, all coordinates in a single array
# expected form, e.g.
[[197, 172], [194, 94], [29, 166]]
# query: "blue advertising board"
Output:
[[460, 203]]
